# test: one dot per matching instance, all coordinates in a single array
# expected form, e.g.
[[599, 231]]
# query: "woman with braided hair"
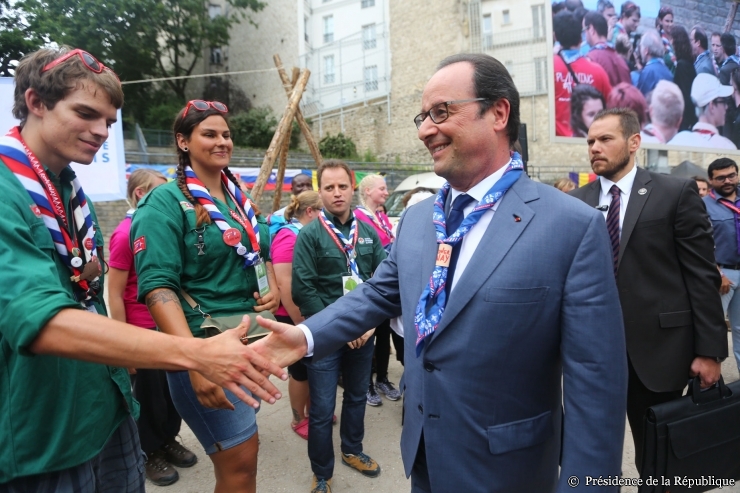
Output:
[[201, 247]]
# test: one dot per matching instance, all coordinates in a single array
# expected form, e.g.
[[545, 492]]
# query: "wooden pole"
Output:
[[731, 17], [283, 163], [277, 139], [305, 129]]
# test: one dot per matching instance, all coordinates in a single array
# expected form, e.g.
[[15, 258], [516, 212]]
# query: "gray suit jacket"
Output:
[[536, 305]]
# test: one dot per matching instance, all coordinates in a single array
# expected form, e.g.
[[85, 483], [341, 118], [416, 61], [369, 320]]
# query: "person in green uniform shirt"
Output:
[[200, 238], [66, 418], [332, 256]]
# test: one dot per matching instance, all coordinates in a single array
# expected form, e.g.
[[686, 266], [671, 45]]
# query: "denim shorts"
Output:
[[216, 429]]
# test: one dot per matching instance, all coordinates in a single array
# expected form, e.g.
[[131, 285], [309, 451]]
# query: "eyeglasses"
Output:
[[722, 179], [201, 105], [439, 112], [88, 60]]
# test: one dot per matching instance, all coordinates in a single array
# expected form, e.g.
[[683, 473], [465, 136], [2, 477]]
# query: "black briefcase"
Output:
[[693, 443]]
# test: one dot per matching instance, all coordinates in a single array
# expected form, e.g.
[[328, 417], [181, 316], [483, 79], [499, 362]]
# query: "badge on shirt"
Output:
[[187, 206], [350, 282], [139, 244], [261, 272], [36, 210]]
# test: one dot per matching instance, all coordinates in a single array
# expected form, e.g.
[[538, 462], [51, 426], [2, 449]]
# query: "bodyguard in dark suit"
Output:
[[663, 255], [524, 323]]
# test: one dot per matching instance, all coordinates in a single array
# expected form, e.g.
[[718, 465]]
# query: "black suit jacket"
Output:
[[667, 278]]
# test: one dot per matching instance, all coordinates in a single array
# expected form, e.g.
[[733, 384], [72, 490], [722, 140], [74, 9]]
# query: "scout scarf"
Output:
[[379, 219], [345, 245], [727, 203], [231, 236], [81, 258], [433, 299]]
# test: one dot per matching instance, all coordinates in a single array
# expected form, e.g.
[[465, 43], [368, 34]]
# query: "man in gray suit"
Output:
[[496, 321]]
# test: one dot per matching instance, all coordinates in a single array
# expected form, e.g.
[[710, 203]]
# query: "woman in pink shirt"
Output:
[[303, 209], [373, 194], [159, 422]]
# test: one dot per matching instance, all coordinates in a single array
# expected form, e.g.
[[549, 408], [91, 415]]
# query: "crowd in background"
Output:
[[682, 82]]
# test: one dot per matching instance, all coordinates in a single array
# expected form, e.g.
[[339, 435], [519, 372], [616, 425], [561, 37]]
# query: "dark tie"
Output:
[[454, 220], [612, 224]]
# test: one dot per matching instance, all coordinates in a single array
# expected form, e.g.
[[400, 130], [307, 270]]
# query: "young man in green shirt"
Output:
[[332, 255], [65, 417]]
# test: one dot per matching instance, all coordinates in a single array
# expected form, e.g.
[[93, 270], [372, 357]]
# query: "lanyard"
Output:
[[377, 220], [346, 246], [240, 217]]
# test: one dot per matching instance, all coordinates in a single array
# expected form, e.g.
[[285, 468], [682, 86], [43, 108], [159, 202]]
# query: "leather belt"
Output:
[[730, 267]]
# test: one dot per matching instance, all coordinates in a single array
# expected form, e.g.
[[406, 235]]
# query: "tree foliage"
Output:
[[338, 146], [15, 38], [254, 128], [139, 39]]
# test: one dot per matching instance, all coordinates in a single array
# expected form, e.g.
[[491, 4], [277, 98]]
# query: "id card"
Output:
[[349, 283], [261, 272]]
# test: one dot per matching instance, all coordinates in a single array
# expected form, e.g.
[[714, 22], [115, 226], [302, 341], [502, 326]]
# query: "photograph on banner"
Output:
[[670, 62], [105, 178]]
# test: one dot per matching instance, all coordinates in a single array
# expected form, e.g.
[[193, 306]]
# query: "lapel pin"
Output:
[[517, 219], [642, 191]]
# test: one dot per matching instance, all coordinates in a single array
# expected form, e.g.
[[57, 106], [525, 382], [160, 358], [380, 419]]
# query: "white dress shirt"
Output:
[[470, 241], [625, 188]]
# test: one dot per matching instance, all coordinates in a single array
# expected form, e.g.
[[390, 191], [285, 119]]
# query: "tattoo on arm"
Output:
[[296, 415], [163, 296]]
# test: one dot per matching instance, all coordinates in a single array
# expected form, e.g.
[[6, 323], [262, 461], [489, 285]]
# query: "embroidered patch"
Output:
[[139, 244], [361, 240], [35, 209], [187, 206], [369, 241]]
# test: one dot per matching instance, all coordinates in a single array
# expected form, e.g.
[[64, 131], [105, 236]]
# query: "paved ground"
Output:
[[284, 466]]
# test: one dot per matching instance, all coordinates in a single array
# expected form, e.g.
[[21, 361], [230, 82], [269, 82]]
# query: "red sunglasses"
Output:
[[88, 60], [201, 105]]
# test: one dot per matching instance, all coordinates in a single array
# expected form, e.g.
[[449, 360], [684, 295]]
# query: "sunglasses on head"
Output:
[[201, 105], [88, 60]]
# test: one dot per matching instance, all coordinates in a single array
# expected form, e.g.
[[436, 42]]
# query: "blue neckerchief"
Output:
[[571, 56], [433, 299]]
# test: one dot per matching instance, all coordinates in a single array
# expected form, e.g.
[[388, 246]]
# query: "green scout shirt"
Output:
[[217, 281], [319, 264], [55, 413]]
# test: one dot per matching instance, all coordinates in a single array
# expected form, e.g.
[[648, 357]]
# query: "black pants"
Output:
[[639, 399], [419, 472], [158, 421], [382, 351]]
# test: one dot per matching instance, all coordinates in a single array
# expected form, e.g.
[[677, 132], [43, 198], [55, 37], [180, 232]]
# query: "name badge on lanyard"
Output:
[[260, 270], [349, 283]]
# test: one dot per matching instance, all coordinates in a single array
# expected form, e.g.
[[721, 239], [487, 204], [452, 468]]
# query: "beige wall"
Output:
[[252, 48]]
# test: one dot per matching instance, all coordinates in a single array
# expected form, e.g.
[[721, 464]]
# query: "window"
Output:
[[368, 3], [305, 28], [487, 32], [214, 11], [328, 29], [216, 56], [506, 17], [371, 78], [540, 74], [329, 69], [538, 21], [369, 40]]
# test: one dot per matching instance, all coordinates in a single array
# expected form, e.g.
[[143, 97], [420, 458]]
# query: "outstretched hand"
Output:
[[227, 362], [285, 344]]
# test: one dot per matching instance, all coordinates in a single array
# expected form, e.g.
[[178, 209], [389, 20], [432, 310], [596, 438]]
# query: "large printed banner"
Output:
[[104, 179], [672, 65]]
